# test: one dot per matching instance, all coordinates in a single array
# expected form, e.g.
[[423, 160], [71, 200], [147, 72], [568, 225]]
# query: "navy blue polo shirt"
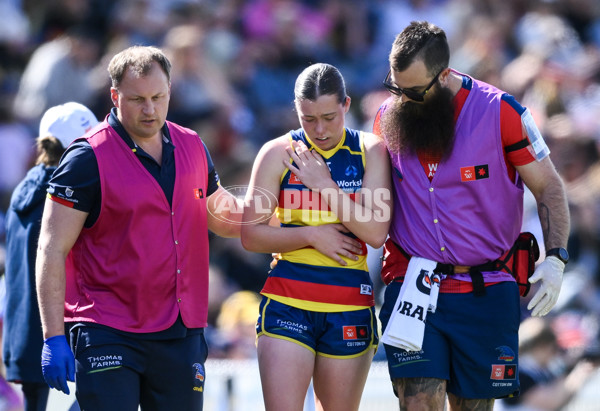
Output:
[[78, 171]]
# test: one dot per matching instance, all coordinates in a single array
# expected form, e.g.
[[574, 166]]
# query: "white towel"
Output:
[[418, 294]]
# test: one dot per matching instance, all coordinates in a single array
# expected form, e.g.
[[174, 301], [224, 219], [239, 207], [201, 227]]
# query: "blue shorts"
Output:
[[470, 341], [343, 334], [117, 372]]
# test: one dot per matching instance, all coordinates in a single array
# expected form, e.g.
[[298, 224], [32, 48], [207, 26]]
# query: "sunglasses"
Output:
[[411, 94]]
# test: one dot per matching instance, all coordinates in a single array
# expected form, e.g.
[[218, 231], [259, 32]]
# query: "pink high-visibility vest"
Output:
[[143, 262]]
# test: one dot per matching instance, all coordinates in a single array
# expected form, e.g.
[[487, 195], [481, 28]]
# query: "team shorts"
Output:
[[470, 341], [343, 334], [118, 373]]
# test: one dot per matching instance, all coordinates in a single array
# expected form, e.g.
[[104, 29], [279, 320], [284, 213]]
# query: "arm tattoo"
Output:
[[544, 214]]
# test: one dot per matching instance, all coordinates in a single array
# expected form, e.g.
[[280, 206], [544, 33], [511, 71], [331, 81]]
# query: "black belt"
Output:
[[475, 271]]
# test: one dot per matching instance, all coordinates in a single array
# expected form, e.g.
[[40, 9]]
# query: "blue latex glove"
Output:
[[58, 363]]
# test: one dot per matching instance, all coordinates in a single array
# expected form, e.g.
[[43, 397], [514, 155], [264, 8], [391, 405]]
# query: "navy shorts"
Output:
[[118, 373], [470, 341], [343, 334]]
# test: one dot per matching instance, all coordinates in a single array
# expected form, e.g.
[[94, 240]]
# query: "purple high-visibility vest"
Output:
[[471, 212], [143, 262]]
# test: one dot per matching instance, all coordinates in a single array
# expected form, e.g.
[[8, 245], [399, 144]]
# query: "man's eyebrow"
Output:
[[322, 115]]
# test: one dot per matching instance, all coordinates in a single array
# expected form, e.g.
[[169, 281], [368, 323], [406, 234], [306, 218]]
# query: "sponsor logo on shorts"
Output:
[[199, 376], [198, 193], [292, 326], [504, 372], [356, 332], [506, 354], [104, 362], [407, 357]]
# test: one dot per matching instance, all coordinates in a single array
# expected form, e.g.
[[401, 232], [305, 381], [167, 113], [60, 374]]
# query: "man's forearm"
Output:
[[50, 285], [553, 211]]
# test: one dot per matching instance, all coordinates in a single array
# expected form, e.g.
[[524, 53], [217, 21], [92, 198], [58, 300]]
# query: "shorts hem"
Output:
[[356, 355], [281, 337]]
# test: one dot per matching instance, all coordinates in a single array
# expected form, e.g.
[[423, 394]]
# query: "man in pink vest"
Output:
[[122, 267], [461, 151]]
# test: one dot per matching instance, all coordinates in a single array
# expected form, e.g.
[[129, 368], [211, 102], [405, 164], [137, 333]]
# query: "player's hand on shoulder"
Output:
[[309, 167]]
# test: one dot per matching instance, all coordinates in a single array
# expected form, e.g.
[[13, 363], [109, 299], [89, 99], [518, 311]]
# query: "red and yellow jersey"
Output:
[[305, 278]]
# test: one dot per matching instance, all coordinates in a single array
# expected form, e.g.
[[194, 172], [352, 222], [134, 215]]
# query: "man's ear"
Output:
[[445, 77], [114, 96]]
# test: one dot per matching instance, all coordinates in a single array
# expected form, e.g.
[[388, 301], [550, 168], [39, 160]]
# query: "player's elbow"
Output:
[[248, 241], [376, 241], [377, 234]]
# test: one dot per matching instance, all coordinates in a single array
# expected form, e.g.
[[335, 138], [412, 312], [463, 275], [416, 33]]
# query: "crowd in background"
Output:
[[234, 66]]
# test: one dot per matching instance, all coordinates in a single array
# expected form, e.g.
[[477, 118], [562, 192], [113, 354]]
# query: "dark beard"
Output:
[[421, 127]]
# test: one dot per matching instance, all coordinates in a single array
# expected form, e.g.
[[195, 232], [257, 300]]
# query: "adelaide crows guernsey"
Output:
[[305, 278]]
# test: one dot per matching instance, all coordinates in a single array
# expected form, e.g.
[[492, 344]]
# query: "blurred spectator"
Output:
[[58, 71], [542, 30], [142, 21], [243, 268], [53, 18], [10, 400], [578, 160], [220, 288], [395, 15], [482, 53], [283, 37], [200, 91], [22, 331], [223, 41], [16, 153], [236, 326], [14, 30], [548, 382], [265, 20]]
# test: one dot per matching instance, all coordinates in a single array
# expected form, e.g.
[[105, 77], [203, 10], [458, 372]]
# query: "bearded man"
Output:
[[461, 151]]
